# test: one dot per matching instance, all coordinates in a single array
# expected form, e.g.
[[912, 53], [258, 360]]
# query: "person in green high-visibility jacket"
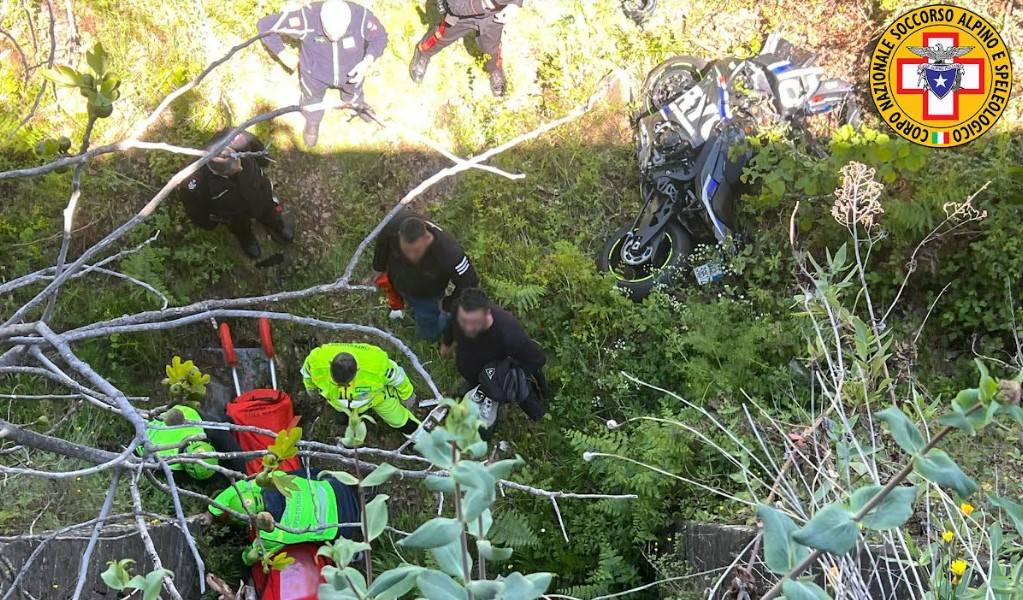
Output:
[[315, 512], [172, 434], [361, 377]]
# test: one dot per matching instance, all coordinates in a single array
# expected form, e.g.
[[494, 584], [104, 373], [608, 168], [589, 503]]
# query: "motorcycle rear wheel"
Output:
[[670, 78], [667, 260]]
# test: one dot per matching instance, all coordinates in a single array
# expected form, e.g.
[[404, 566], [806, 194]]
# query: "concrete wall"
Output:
[[54, 573]]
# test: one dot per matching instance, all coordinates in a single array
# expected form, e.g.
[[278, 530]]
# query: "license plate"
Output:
[[708, 272]]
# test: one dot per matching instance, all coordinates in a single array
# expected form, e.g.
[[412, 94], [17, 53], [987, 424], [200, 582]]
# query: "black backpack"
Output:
[[506, 383]]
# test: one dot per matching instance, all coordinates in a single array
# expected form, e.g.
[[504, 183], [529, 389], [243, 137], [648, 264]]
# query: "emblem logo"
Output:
[[490, 372], [192, 184], [940, 76]]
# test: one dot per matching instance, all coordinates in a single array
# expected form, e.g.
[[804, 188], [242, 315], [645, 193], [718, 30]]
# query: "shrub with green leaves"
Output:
[[457, 544]]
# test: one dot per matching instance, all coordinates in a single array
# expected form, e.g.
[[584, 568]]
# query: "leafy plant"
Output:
[[118, 576], [100, 87], [450, 540], [185, 382]]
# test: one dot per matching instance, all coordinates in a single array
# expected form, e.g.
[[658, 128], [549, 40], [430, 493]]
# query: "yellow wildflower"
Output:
[[966, 508], [948, 536], [958, 567]]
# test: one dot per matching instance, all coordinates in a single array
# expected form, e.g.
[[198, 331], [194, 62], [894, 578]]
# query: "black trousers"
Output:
[[451, 29], [241, 227]]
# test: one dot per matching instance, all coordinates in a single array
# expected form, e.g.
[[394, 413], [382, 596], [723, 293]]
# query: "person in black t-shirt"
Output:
[[420, 260], [232, 190], [482, 335]]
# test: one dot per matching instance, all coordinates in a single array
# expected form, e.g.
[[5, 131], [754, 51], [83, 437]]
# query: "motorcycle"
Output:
[[697, 114]]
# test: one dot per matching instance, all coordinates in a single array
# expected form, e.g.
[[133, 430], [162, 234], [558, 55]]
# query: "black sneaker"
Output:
[[498, 84], [417, 68]]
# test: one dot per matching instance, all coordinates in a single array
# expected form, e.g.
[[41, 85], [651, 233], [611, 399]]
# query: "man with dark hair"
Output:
[[232, 190], [421, 260], [487, 340], [339, 41], [485, 18], [360, 377]]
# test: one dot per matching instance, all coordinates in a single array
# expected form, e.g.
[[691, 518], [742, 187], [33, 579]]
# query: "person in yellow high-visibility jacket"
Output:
[[361, 377]]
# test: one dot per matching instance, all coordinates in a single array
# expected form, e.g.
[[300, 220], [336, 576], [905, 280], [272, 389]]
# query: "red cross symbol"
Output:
[[947, 108]]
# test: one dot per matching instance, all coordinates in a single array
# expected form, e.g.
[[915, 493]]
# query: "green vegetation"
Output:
[[743, 341]]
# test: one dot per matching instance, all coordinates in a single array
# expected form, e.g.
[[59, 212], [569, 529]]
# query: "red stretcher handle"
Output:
[[266, 337], [227, 344]]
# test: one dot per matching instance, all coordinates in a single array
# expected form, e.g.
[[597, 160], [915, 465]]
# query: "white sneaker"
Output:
[[396, 315], [486, 407]]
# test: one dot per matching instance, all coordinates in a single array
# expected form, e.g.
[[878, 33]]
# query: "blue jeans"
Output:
[[430, 320]]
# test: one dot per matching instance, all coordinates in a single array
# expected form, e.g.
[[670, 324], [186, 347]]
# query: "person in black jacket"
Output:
[[459, 18], [232, 190], [483, 336], [420, 260]]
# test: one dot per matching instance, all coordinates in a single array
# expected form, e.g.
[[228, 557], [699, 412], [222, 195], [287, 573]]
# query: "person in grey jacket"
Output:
[[338, 42], [459, 18]]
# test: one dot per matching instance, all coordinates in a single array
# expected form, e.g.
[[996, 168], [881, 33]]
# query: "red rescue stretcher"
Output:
[[270, 409]]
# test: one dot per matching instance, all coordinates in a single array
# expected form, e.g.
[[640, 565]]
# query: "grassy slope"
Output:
[[533, 240]]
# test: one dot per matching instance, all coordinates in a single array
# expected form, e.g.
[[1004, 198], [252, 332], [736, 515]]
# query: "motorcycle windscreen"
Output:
[[298, 581]]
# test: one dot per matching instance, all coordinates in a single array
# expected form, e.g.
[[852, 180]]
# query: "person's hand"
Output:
[[290, 59], [411, 402], [447, 350], [358, 73], [507, 14], [206, 519]]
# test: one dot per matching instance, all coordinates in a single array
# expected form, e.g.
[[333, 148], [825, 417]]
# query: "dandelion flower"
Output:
[[957, 567], [948, 536], [966, 508]]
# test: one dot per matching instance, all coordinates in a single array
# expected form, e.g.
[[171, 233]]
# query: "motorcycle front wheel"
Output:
[[670, 79], [660, 268], [639, 10]]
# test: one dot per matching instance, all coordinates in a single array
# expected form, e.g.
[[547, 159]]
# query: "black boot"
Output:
[[498, 84], [417, 68]]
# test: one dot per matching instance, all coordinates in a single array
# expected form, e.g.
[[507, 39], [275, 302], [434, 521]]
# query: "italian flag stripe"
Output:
[[939, 137]]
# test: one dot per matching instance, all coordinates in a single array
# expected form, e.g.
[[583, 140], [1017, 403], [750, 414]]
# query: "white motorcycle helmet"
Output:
[[487, 406]]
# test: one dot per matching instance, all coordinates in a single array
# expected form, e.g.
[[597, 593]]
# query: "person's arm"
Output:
[[524, 351], [228, 498], [290, 24], [463, 275], [307, 378], [375, 34], [381, 251], [399, 380], [255, 187], [195, 205], [447, 341]]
